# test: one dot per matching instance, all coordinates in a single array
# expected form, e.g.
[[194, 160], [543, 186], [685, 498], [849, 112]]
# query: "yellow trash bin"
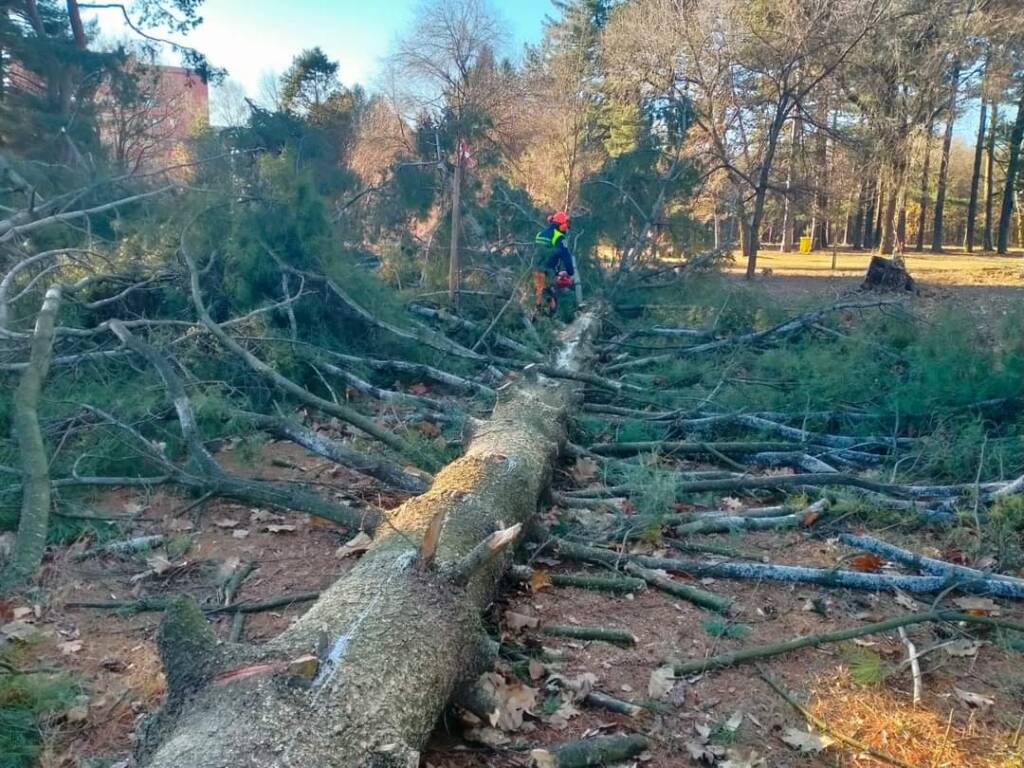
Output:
[[805, 245]]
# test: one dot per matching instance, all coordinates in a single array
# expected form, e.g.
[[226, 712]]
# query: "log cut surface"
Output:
[[362, 677]]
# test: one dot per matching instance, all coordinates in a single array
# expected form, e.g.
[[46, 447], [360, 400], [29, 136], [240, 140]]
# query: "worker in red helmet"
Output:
[[553, 265]]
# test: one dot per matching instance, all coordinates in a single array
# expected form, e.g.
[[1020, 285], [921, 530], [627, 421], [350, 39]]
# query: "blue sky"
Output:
[[250, 37]]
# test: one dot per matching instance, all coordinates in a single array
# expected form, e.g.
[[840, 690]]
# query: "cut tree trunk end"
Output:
[[390, 642]]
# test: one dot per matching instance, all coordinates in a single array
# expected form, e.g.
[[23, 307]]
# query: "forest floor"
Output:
[[114, 652], [971, 712]]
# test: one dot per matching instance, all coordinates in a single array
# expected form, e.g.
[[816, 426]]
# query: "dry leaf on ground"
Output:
[[514, 699], [539, 580], [520, 621], [806, 741], [661, 682], [584, 470], [866, 563], [579, 686], [743, 757], [541, 758], [225, 522], [906, 601], [978, 606], [559, 719], [354, 546], [427, 428], [973, 699], [492, 737], [280, 528], [962, 647]]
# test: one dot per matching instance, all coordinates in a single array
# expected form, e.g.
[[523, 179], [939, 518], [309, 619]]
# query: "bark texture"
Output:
[[392, 640], [35, 464]]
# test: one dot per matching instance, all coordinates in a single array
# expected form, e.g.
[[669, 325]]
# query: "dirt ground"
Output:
[[114, 652]]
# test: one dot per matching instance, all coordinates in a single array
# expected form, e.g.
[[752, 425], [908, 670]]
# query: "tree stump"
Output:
[[887, 275]]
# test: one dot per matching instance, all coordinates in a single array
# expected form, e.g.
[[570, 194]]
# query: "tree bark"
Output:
[[856, 237], [990, 167], [972, 205], [761, 190], [1012, 167], [392, 640], [947, 142], [33, 524], [787, 221], [77, 28], [454, 265], [923, 195]]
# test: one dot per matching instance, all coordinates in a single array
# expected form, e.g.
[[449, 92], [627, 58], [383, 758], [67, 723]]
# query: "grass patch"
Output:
[[27, 703]]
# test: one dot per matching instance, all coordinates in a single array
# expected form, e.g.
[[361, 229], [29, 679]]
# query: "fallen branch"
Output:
[[752, 653], [470, 326], [793, 573], [915, 667], [697, 596], [711, 549], [163, 602], [623, 584], [602, 634], [34, 519], [421, 371], [783, 330], [203, 473], [483, 553], [675, 448], [598, 750], [921, 562], [730, 523], [613, 704], [387, 472], [123, 547], [344, 413], [422, 335]]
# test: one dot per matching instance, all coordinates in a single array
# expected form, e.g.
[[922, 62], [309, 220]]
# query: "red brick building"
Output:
[[151, 130]]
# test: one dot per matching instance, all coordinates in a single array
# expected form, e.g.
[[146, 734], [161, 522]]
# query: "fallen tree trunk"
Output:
[[392, 640]]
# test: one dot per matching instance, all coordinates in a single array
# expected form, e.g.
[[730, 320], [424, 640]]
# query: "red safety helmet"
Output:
[[563, 280], [560, 220]]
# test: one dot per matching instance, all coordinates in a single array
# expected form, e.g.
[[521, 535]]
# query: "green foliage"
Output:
[[717, 626], [636, 432], [64, 530], [635, 177], [653, 490], [918, 377], [310, 82], [865, 664], [27, 701], [1002, 533]]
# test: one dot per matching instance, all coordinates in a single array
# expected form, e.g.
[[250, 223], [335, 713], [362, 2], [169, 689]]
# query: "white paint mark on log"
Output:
[[339, 648]]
